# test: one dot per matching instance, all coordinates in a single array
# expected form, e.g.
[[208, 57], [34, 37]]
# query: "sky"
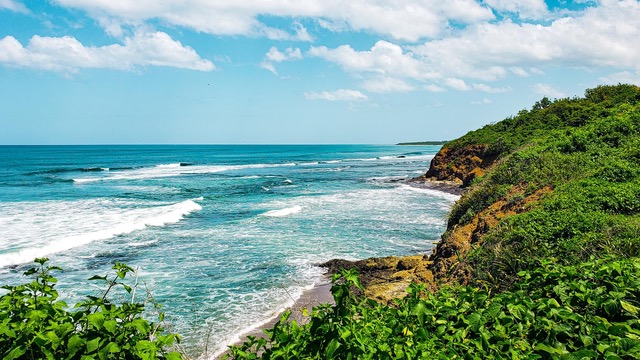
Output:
[[297, 71]]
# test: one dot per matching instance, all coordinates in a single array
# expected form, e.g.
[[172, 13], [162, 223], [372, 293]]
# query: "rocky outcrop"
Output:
[[387, 278], [459, 165], [452, 169]]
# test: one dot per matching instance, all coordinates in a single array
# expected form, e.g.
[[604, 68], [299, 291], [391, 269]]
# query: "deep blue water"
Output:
[[223, 236]]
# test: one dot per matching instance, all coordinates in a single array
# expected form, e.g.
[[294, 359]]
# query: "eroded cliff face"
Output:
[[448, 259], [387, 278], [459, 165]]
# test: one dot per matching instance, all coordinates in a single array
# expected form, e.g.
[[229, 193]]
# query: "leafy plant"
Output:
[[35, 324], [561, 312]]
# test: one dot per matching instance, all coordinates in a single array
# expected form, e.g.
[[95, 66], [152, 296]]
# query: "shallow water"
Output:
[[224, 237]]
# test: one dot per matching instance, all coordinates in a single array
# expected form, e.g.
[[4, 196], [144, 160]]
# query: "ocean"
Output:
[[224, 237]]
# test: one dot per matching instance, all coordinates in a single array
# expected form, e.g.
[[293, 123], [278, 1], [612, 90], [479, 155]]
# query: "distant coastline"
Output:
[[418, 143]]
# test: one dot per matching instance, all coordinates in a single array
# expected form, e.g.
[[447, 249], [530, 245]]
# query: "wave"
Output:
[[432, 192], [44, 229], [283, 212], [172, 170]]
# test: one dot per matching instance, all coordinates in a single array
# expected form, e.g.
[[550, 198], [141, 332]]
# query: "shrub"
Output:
[[35, 324]]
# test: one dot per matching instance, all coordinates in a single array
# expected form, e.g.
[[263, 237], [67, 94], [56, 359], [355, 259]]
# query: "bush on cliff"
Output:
[[592, 170], [583, 311]]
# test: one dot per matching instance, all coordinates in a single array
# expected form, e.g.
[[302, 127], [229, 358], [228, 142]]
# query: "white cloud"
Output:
[[519, 71], [408, 20], [67, 54], [489, 89], [434, 88], [526, 9], [601, 36], [338, 95], [548, 91], [622, 77], [384, 58], [14, 6], [386, 84], [457, 84], [276, 56]]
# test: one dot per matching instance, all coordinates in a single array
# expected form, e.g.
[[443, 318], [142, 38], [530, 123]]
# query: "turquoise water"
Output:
[[224, 237]]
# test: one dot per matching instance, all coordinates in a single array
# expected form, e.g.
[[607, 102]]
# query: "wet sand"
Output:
[[320, 294]]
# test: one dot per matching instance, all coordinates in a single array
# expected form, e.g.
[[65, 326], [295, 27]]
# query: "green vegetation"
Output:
[[557, 279], [35, 324], [422, 143], [573, 312], [586, 152]]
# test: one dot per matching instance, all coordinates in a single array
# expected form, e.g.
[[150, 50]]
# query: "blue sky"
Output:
[[305, 71]]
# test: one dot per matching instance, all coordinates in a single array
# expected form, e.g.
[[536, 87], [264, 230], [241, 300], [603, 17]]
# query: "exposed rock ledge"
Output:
[[451, 170]]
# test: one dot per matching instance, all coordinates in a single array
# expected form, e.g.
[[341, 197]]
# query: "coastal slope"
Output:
[[540, 258], [523, 179]]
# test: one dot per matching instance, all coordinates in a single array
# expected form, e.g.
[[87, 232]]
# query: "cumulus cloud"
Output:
[[548, 91], [276, 56], [338, 95], [384, 58], [526, 9], [600, 36], [408, 20], [386, 85], [622, 77], [67, 54], [13, 6], [488, 89]]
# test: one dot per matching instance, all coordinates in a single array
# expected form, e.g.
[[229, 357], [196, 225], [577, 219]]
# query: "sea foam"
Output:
[[40, 229], [172, 170], [283, 212]]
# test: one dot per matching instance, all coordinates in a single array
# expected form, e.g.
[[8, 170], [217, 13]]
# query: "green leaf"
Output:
[[332, 348], [93, 345], [16, 353], [74, 343], [96, 320], [173, 356], [110, 326], [629, 307], [4, 329], [548, 349], [475, 320]]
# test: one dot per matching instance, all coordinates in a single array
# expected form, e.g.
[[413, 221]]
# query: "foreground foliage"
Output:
[[35, 324], [588, 311]]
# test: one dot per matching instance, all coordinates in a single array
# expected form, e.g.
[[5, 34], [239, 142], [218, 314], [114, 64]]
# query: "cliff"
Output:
[[511, 217]]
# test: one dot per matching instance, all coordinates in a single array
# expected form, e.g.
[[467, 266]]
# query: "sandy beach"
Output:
[[319, 294]]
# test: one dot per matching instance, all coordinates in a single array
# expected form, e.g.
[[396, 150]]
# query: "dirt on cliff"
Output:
[[448, 259]]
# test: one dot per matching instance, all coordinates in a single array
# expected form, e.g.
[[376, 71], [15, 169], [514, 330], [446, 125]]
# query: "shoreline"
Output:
[[320, 293]]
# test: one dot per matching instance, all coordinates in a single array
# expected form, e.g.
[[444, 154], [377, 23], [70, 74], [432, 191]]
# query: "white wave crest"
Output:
[[283, 212], [32, 230], [171, 170]]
